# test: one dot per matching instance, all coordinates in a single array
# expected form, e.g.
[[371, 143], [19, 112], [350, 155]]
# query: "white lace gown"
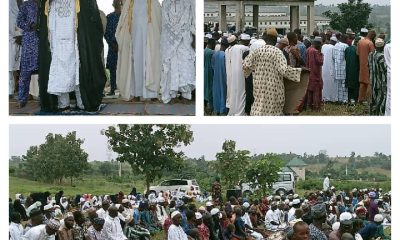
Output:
[[177, 54], [64, 67]]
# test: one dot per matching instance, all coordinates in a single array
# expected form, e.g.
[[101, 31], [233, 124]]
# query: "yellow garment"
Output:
[[77, 10]]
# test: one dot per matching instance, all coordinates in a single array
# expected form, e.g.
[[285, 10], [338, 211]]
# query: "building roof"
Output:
[[288, 169], [296, 162]]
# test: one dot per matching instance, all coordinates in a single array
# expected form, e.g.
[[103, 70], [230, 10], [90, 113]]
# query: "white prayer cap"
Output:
[[56, 206], [336, 226], [287, 201], [296, 201], [209, 36], [214, 211], [290, 204], [318, 39], [209, 204], [225, 34], [82, 200], [296, 195], [378, 218], [220, 32], [48, 207], [253, 41], [257, 44], [333, 38], [379, 42], [345, 216], [117, 205], [125, 200], [69, 214], [198, 215], [364, 30], [332, 187], [246, 205], [202, 208], [17, 196], [161, 200], [175, 213], [245, 36]]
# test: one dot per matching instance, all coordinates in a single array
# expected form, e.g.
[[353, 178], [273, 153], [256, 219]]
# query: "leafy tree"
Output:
[[149, 149], [107, 168], [230, 163], [354, 15], [263, 173], [352, 160], [59, 157]]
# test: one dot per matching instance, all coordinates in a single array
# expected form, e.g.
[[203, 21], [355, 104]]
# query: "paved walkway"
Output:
[[117, 107]]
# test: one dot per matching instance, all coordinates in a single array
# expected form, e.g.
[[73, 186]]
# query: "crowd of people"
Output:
[[283, 75], [328, 214], [59, 44]]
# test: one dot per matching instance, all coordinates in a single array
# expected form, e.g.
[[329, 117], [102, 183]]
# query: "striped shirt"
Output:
[[339, 60]]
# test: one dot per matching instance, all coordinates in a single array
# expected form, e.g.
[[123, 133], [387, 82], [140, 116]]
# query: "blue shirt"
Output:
[[109, 35]]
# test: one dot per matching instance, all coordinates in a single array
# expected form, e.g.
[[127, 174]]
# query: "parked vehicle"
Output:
[[285, 184], [172, 185]]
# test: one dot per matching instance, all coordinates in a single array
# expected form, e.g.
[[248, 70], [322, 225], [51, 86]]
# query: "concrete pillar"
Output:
[[255, 17], [240, 16], [310, 19], [294, 17], [222, 18]]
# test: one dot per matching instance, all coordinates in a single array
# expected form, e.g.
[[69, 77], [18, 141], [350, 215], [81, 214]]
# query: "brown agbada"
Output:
[[364, 47]]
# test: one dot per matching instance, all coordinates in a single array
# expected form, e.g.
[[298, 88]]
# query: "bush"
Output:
[[316, 184]]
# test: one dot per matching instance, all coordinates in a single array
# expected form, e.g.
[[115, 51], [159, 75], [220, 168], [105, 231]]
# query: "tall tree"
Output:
[[354, 14], [263, 173], [230, 163], [149, 149], [59, 157]]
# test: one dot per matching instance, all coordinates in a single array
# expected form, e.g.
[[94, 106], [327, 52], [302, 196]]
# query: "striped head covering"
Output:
[[53, 224]]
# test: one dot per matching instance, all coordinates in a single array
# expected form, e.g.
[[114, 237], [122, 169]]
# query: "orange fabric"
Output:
[[364, 47], [363, 92]]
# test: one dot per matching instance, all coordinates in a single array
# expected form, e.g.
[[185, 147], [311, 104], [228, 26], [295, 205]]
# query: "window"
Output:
[[166, 183], [194, 183], [284, 178]]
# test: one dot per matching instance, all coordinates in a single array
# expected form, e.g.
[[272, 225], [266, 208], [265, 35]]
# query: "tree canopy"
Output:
[[59, 157], [149, 149], [354, 14]]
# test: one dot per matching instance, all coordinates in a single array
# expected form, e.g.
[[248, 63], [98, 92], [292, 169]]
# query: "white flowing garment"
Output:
[[177, 54], [329, 91], [38, 233], [14, 55], [236, 93], [64, 67], [176, 233]]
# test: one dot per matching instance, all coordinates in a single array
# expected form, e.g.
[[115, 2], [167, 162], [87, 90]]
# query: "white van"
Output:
[[285, 184], [176, 184]]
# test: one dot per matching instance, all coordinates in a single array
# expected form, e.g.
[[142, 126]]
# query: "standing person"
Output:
[[352, 71], [109, 35], [112, 226], [326, 183], [300, 45], [269, 67], [138, 37], [315, 60], [219, 79], [27, 21], [175, 231], [216, 190], [248, 87], [236, 93], [364, 48], [14, 44], [340, 67], [387, 52], [378, 76], [178, 56], [208, 73], [70, 55], [65, 232], [329, 92]]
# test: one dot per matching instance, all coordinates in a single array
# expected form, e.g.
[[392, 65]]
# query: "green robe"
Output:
[[92, 75], [352, 67]]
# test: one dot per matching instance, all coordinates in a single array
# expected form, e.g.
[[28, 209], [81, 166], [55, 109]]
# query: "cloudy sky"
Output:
[[328, 2], [208, 139]]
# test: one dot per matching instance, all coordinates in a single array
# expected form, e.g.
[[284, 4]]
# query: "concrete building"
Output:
[[297, 166], [247, 14]]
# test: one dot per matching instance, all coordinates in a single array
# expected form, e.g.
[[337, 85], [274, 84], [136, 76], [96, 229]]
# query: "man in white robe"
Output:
[[112, 227], [43, 232], [236, 92], [14, 45], [271, 218], [177, 51], [16, 230], [388, 62], [138, 36], [64, 67], [326, 184], [175, 231], [329, 92]]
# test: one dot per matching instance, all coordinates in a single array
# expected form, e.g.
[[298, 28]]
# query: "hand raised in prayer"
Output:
[[18, 40]]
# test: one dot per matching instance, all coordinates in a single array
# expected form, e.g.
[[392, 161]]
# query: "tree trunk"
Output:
[[71, 180], [60, 180]]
